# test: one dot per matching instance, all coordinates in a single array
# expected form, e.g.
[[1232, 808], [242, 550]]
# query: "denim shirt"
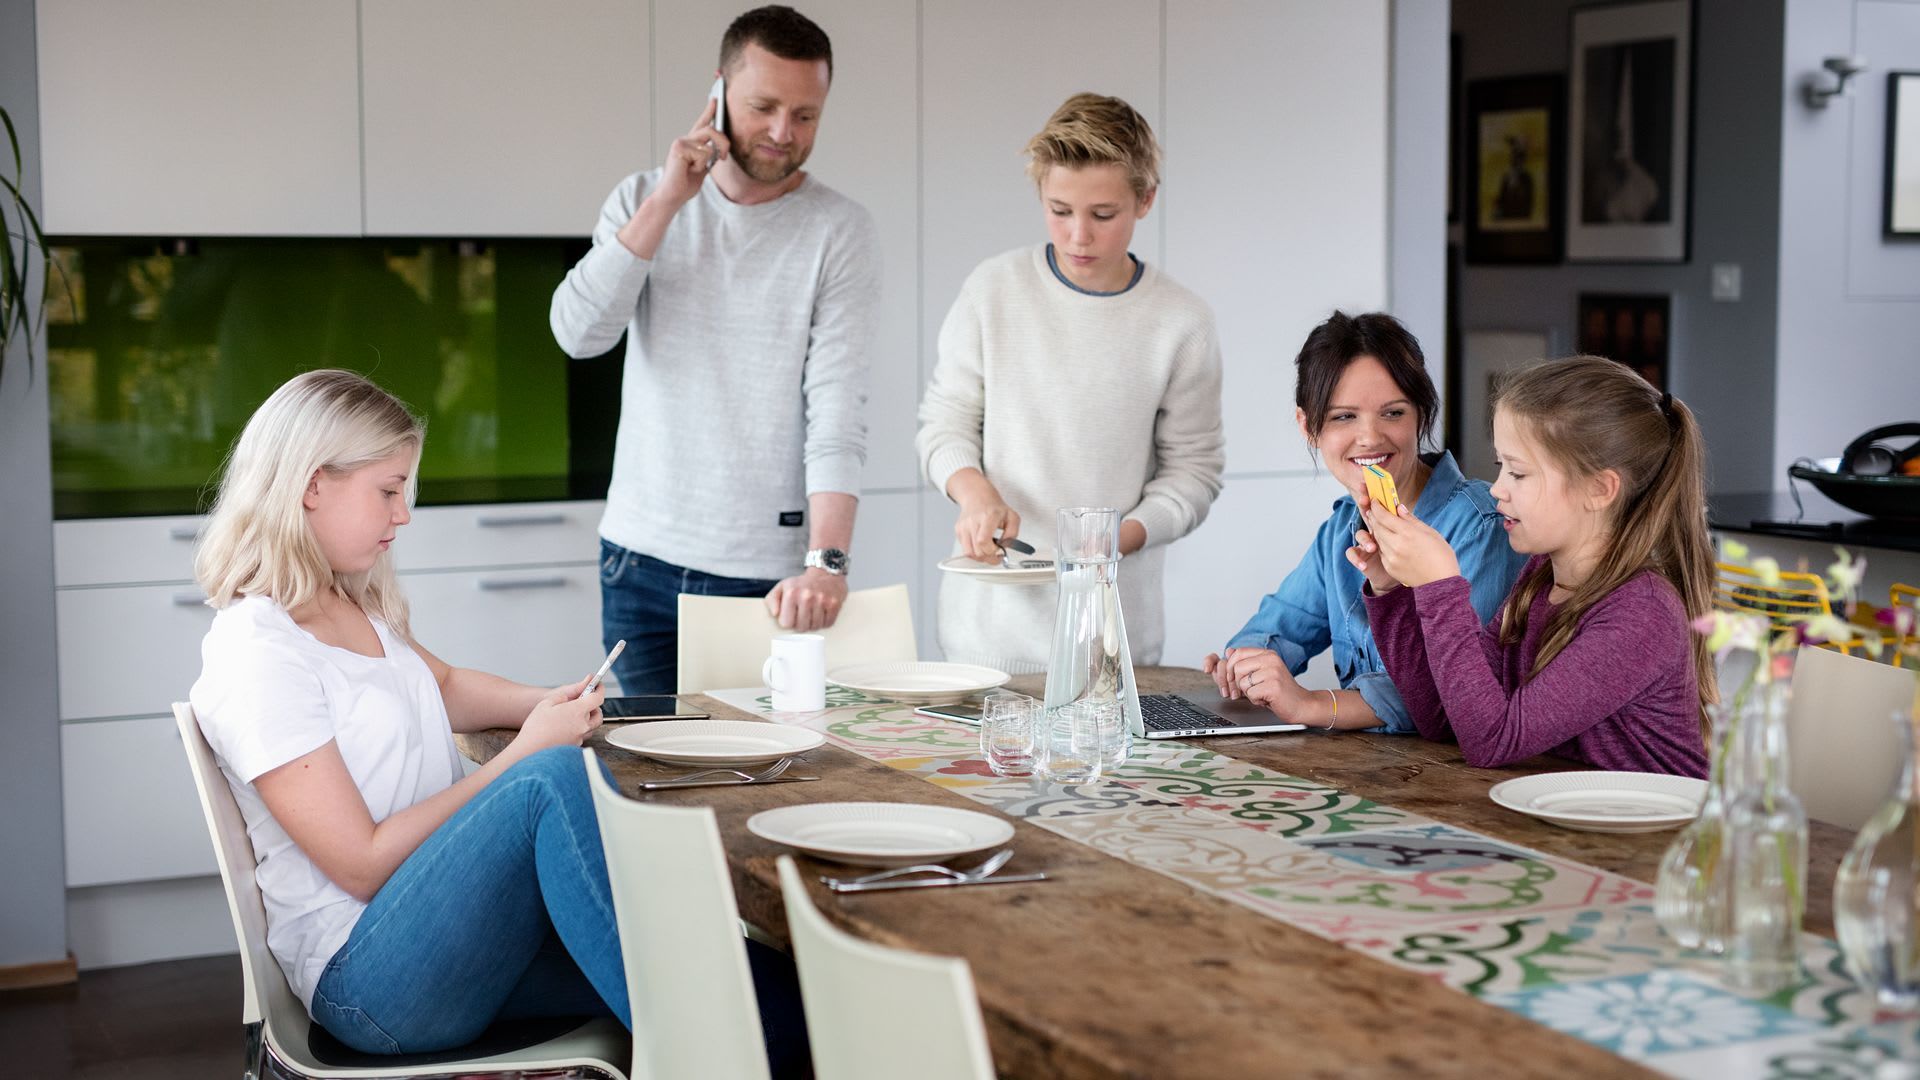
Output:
[[1319, 604]]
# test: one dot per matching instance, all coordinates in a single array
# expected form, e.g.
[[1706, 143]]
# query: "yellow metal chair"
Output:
[[1907, 597], [1796, 598]]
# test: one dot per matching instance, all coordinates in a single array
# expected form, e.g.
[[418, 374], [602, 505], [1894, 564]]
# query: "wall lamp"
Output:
[[1843, 68]]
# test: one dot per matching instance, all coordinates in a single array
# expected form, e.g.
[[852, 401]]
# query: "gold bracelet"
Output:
[[1335, 721]]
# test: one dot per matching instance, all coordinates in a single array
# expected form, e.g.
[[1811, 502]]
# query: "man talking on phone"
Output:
[[748, 291]]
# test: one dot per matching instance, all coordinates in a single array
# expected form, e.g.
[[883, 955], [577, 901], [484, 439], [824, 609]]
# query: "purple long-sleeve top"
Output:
[[1621, 694]]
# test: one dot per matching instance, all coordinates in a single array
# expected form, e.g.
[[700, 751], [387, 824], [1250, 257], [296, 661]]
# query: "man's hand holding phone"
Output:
[[691, 157]]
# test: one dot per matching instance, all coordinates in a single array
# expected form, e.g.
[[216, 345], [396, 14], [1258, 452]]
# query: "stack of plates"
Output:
[[1609, 802]]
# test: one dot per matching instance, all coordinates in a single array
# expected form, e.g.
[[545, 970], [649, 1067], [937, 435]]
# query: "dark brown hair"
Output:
[[1590, 414], [781, 31], [1342, 339]]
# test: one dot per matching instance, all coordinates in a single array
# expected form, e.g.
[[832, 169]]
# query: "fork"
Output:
[[994, 862], [767, 773]]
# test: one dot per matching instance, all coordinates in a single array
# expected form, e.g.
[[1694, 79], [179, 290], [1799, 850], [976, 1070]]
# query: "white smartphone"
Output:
[[719, 96], [605, 666]]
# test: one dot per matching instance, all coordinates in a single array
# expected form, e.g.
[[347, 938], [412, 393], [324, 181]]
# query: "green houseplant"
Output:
[[19, 225]]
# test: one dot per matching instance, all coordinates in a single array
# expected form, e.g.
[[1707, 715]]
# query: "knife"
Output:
[[930, 883], [662, 785]]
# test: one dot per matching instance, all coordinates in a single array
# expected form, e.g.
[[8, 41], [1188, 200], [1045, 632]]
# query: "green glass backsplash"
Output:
[[158, 353]]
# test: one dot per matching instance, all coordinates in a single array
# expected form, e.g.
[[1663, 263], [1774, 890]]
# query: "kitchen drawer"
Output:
[[128, 651], [535, 625], [132, 813], [113, 551], [450, 537]]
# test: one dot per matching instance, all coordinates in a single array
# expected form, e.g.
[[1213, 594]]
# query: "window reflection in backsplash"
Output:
[[158, 353]]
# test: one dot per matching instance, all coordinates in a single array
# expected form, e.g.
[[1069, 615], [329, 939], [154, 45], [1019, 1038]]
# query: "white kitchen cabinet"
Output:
[[128, 651], [538, 625], [500, 117], [215, 118], [128, 804]]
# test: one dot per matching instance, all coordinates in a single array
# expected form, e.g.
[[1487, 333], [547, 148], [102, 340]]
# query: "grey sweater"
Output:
[[745, 384], [1066, 399]]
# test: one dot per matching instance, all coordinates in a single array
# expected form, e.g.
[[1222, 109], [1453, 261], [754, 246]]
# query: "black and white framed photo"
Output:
[[1630, 156], [1903, 155], [1515, 183]]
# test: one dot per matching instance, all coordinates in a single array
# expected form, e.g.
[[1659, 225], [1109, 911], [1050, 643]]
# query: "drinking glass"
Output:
[[1006, 733], [1077, 739]]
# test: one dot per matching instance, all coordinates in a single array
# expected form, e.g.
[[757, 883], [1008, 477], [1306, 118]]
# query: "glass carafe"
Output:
[[1876, 896], [1090, 664]]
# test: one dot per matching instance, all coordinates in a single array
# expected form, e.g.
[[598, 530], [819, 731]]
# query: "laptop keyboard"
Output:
[[1165, 712]]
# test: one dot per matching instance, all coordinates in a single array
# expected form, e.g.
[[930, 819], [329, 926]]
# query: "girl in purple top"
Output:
[[1591, 657]]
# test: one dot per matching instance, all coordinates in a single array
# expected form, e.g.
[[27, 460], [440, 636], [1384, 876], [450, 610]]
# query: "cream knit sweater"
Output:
[[1067, 399]]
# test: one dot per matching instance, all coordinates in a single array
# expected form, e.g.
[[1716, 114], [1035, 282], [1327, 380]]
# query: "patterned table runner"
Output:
[[1566, 945]]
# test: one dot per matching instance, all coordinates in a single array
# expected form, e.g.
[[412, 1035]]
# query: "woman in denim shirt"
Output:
[[1361, 396]]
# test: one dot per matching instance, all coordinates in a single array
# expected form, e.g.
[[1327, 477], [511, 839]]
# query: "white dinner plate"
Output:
[[1610, 802], [881, 834], [923, 682], [998, 575], [716, 743]]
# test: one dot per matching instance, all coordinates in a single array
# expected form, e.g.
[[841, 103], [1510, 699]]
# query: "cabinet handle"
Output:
[[184, 532], [190, 599], [509, 521], [501, 584]]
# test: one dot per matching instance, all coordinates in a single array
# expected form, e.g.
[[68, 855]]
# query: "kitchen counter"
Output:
[[1772, 513]]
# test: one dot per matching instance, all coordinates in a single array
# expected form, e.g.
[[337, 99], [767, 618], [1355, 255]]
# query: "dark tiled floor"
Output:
[[178, 1020]]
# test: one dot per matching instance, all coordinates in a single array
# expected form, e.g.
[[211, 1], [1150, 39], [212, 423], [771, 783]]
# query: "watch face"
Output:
[[828, 559]]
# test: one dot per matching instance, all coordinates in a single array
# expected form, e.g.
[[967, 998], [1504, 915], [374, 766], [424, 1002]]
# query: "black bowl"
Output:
[[1894, 498]]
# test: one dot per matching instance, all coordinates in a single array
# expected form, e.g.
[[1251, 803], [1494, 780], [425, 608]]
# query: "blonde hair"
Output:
[[1091, 129], [257, 541], [1590, 414]]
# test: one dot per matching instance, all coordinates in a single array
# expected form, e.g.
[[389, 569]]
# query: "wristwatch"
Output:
[[832, 560]]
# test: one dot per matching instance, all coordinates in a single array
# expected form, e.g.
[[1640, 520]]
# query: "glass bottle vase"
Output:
[[1766, 853], [1690, 891], [1876, 895]]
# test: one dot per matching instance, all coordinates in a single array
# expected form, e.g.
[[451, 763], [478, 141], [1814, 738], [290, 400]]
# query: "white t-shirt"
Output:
[[270, 692]]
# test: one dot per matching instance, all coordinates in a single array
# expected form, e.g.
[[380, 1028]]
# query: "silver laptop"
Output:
[[1205, 712]]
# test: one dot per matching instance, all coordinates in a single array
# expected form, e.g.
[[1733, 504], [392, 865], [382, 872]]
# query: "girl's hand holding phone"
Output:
[[564, 717], [1410, 550]]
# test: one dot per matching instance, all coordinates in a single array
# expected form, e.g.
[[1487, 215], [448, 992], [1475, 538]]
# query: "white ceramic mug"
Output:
[[797, 672]]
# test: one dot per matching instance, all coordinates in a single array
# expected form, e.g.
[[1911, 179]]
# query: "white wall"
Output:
[[1849, 321]]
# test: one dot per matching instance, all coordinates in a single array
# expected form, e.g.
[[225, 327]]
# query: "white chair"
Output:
[[278, 1030], [724, 639], [1840, 736], [870, 1008], [688, 983]]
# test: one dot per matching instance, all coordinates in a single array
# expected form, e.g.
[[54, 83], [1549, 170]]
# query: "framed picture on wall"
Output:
[[1630, 156], [1634, 330], [1903, 155], [1487, 356], [1515, 184]]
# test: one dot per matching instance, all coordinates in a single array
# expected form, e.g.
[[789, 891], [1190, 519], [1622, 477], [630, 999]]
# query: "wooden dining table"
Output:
[[1112, 968]]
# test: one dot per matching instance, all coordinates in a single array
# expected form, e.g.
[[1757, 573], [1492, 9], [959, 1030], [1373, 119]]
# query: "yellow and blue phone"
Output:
[[1381, 490]]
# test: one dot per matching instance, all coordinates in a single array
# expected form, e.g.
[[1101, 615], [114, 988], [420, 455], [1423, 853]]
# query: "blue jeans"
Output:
[[640, 601], [505, 913]]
